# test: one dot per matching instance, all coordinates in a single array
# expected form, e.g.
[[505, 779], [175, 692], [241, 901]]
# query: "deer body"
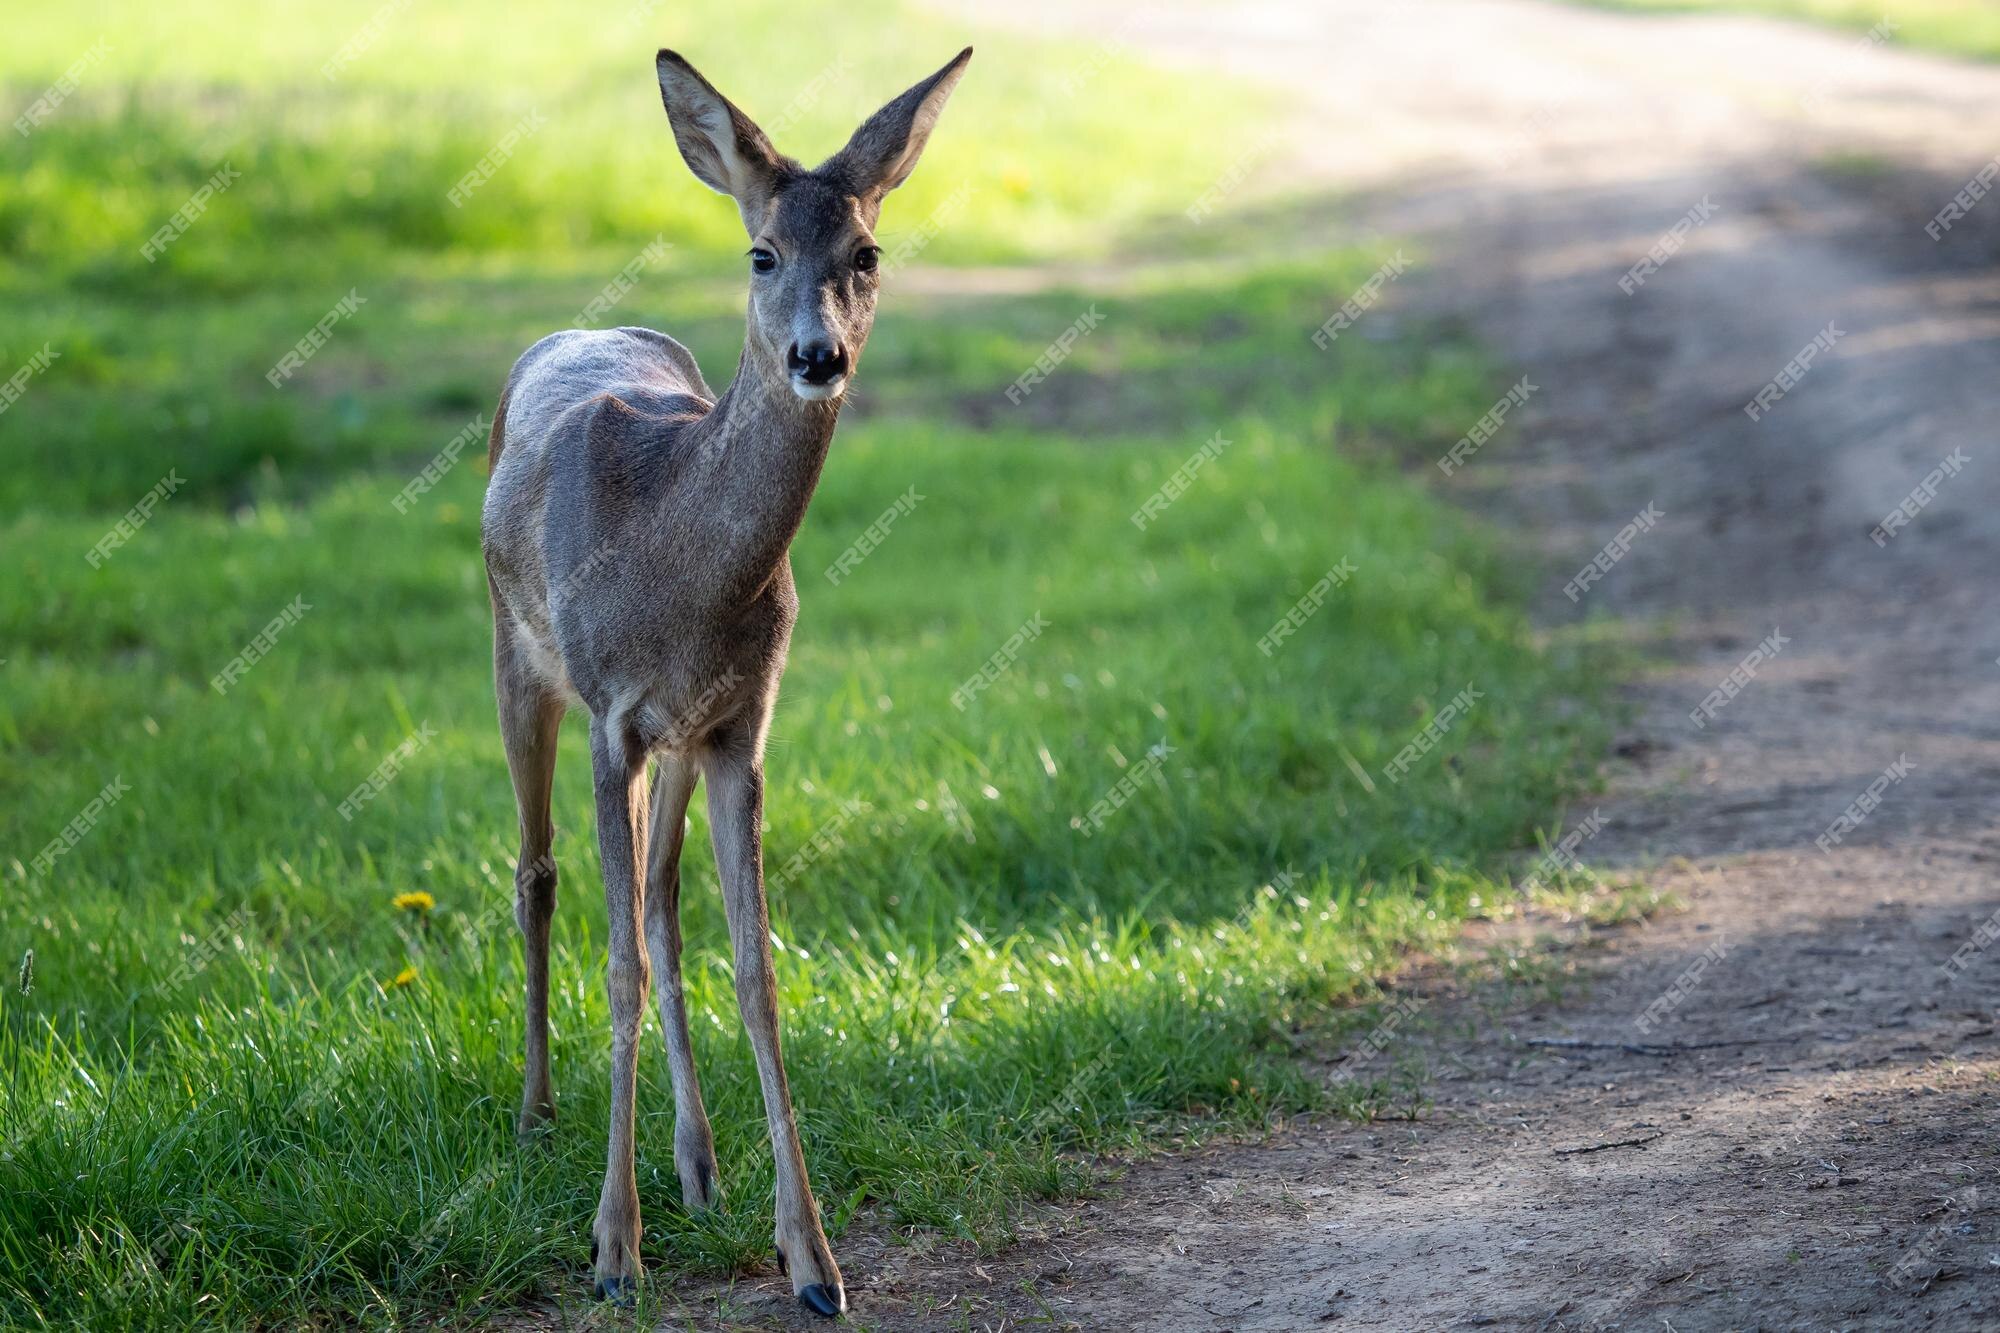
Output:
[[636, 532]]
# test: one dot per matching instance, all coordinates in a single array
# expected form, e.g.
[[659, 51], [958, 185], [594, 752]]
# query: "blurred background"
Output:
[[1146, 368]]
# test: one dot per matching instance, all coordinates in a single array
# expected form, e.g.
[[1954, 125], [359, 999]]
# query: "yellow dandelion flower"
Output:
[[417, 901], [1016, 182], [403, 978]]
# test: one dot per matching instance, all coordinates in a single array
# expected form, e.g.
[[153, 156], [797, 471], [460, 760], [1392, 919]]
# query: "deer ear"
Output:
[[722, 146], [885, 149]]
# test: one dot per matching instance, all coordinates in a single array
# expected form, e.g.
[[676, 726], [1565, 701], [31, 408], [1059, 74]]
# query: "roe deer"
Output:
[[636, 530]]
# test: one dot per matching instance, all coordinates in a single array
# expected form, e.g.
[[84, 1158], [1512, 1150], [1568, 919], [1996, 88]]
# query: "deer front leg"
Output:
[[735, 815], [620, 778], [694, 1143]]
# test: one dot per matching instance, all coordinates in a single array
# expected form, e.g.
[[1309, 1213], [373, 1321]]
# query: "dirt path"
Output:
[[1826, 1156]]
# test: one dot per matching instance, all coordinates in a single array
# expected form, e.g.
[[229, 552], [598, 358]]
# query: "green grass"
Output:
[[218, 1104], [1956, 27], [334, 171]]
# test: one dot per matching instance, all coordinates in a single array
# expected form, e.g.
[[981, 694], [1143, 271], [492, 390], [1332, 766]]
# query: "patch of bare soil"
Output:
[[1775, 1109]]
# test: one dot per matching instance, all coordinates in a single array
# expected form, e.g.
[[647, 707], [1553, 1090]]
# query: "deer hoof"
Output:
[[617, 1290], [822, 1299]]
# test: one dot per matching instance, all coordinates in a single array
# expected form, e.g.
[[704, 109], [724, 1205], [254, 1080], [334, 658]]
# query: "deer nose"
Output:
[[817, 362]]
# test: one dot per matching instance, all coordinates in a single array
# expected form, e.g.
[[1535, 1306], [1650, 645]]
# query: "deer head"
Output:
[[813, 275]]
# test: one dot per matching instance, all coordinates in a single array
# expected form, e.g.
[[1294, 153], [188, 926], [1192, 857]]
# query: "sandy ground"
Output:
[[1804, 1135]]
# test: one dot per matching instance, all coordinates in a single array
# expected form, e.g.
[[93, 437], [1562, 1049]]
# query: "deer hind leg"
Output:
[[735, 812], [694, 1143], [530, 718], [618, 771]]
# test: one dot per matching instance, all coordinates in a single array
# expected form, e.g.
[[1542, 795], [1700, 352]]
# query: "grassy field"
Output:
[[1956, 27], [264, 1064]]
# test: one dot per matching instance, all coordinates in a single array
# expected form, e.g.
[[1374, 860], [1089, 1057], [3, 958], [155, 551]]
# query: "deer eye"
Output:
[[865, 258], [763, 260]]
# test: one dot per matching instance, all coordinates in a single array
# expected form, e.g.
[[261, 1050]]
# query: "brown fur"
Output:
[[497, 439]]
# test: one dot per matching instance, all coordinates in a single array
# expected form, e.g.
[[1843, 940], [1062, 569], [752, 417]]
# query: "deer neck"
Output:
[[764, 450]]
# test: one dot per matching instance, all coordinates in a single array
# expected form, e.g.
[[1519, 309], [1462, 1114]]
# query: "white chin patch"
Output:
[[819, 393]]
